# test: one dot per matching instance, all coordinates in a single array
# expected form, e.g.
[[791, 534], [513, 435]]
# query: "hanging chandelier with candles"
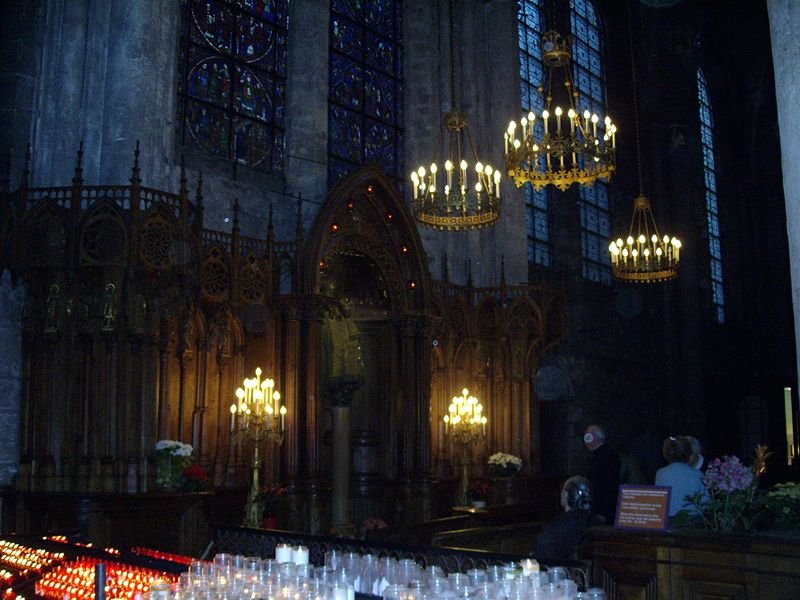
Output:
[[561, 145], [643, 256], [466, 195]]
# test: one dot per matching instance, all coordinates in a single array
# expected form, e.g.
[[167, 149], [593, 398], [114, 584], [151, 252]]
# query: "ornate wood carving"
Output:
[[139, 324]]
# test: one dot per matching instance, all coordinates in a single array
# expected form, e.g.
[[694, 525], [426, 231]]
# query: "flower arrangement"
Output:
[[193, 478], [504, 465], [732, 488], [174, 448], [172, 457], [783, 502], [478, 490], [370, 524], [270, 496]]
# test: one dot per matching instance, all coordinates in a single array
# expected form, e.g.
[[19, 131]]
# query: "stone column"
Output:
[[340, 505], [307, 104], [341, 396], [784, 18], [292, 360]]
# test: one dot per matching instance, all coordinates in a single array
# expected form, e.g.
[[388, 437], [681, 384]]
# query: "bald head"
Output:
[[594, 437]]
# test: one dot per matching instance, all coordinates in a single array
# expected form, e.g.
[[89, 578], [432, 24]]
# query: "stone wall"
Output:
[[10, 369]]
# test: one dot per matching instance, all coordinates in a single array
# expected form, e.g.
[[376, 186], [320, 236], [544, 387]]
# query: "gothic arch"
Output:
[[103, 236], [364, 210], [44, 240]]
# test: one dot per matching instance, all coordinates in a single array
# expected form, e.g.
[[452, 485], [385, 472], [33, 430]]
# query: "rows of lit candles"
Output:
[[636, 250], [76, 580], [24, 559], [585, 124], [487, 180], [464, 413], [257, 400]]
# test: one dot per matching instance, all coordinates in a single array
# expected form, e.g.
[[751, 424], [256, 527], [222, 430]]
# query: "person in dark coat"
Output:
[[604, 473], [561, 537]]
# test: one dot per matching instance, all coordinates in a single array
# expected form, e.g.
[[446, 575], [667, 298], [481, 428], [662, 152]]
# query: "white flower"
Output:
[[503, 460], [174, 448]]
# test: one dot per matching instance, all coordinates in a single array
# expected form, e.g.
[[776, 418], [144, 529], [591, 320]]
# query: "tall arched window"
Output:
[[537, 213], [589, 77], [712, 208], [365, 106], [232, 79]]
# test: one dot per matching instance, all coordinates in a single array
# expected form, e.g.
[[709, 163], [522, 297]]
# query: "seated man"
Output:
[[561, 537]]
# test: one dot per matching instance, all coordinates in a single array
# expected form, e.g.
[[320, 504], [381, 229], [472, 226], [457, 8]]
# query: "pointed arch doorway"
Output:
[[364, 255]]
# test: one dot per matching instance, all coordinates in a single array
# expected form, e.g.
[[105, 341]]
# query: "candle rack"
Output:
[[257, 415]]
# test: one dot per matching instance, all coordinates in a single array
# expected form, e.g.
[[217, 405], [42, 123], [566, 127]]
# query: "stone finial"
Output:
[[184, 191], [299, 224], [135, 173], [199, 194], [78, 178], [26, 169], [270, 225]]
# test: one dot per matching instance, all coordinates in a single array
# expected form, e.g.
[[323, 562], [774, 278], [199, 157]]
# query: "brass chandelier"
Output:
[[643, 256], [463, 197], [570, 146]]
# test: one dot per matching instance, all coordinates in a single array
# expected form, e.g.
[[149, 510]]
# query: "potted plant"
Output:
[[504, 465], [172, 457], [732, 488], [270, 497]]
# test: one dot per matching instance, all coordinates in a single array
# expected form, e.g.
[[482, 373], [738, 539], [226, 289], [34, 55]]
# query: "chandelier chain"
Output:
[[457, 197], [635, 86], [452, 56], [644, 256]]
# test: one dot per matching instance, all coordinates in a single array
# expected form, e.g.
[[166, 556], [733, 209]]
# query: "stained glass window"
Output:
[[589, 78], [365, 107], [712, 207], [531, 75], [232, 79]]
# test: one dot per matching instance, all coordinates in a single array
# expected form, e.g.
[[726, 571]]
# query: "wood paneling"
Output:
[[694, 565]]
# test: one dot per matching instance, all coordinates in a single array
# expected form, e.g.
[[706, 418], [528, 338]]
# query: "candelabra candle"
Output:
[[464, 416], [257, 404]]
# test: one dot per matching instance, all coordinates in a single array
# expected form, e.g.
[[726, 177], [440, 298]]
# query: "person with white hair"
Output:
[[697, 458]]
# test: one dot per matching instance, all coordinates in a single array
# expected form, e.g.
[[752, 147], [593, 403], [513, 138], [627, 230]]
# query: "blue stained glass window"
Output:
[[589, 79], [712, 208], [530, 28], [232, 79], [366, 94]]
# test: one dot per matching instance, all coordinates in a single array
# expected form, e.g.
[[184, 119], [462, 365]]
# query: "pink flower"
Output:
[[728, 475]]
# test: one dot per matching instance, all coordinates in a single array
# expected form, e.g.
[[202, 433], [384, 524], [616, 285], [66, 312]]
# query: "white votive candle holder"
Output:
[[283, 553]]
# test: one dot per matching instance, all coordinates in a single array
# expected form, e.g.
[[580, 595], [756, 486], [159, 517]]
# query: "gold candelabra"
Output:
[[257, 415], [464, 423]]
